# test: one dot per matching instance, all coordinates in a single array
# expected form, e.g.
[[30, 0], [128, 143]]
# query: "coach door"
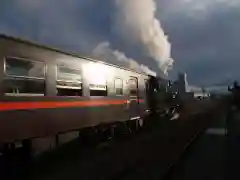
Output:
[[133, 97], [152, 93]]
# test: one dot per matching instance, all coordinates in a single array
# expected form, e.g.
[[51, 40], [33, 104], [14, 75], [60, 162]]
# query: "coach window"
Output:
[[69, 81], [98, 89], [145, 84], [98, 86], [118, 86], [132, 83], [24, 77]]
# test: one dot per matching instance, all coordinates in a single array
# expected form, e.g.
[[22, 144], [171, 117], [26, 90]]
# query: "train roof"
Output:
[[32, 43]]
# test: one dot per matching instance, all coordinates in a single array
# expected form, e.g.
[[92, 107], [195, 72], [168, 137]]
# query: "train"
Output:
[[48, 95]]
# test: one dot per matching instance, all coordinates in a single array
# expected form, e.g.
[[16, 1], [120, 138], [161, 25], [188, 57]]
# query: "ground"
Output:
[[215, 154]]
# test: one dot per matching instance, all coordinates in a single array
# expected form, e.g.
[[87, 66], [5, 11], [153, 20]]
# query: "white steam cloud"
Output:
[[104, 52], [135, 21]]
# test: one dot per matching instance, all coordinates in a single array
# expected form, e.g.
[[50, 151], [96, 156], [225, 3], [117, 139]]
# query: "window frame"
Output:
[[145, 81], [136, 80], [77, 69], [26, 60], [80, 88], [115, 86], [92, 89], [26, 78]]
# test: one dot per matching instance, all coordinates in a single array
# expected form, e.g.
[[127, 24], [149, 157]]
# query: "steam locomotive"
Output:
[[48, 96], [235, 91]]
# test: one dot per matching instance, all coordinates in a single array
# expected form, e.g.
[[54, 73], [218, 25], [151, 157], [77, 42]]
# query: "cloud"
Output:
[[194, 8], [69, 25], [204, 34], [206, 47], [131, 25], [79, 26], [104, 52], [31, 5]]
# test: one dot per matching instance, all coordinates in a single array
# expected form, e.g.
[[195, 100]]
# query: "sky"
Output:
[[204, 34]]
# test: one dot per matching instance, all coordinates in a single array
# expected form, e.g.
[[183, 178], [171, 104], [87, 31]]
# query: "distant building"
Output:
[[201, 94], [182, 83], [186, 91]]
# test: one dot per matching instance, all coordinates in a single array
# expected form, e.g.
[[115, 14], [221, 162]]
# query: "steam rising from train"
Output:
[[103, 51], [135, 21]]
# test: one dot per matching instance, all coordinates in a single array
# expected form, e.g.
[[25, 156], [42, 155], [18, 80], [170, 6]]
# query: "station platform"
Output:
[[215, 155]]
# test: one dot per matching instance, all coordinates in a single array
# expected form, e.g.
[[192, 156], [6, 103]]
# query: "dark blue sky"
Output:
[[204, 33]]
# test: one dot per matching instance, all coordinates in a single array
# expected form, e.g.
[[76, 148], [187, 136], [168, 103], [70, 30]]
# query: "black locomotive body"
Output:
[[45, 92]]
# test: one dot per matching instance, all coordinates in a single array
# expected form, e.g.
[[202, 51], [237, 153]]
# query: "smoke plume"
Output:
[[104, 52], [135, 21]]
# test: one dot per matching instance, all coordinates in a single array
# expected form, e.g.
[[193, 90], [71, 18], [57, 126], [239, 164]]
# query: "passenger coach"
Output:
[[45, 93]]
